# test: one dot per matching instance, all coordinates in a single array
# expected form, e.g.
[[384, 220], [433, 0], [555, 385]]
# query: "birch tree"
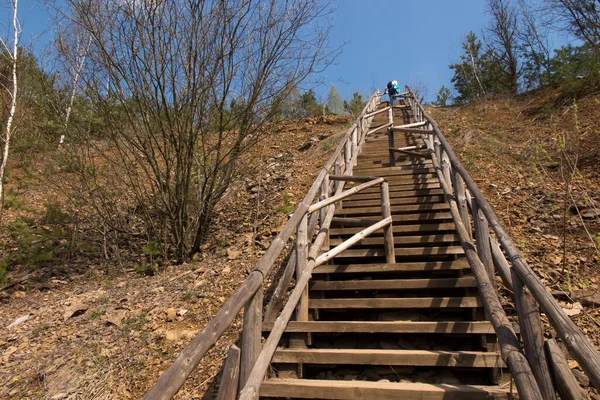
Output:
[[12, 54]]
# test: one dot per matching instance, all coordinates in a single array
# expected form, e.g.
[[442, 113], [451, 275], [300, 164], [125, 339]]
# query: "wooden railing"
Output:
[[242, 364], [542, 359]]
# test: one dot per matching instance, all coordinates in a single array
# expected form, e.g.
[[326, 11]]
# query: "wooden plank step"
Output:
[[387, 170], [400, 209], [395, 284], [403, 252], [399, 229], [460, 264], [402, 187], [421, 180], [363, 390], [396, 303], [396, 195], [426, 327], [394, 201], [405, 240], [420, 358]]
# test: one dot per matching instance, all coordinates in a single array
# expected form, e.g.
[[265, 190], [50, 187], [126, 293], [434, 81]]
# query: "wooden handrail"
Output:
[[578, 344], [343, 195], [172, 379]]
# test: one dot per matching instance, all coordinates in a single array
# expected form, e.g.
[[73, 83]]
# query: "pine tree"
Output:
[[334, 101]]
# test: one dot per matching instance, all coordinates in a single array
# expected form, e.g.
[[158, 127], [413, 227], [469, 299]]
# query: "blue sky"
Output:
[[386, 39], [402, 40]]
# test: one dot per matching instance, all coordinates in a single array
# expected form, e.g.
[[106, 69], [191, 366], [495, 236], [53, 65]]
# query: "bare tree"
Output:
[[502, 38], [419, 88], [581, 18], [192, 86], [12, 54], [535, 47]]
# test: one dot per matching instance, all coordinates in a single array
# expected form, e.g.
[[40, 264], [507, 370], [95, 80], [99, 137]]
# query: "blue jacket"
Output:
[[394, 90]]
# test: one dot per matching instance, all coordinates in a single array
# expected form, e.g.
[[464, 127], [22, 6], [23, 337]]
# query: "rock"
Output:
[[74, 309], [19, 321], [170, 314], [587, 297], [233, 254], [182, 312], [115, 318], [581, 378], [17, 294], [573, 309], [199, 283]]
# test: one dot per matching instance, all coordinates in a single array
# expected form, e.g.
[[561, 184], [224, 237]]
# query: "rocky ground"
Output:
[[75, 332], [85, 334], [536, 160]]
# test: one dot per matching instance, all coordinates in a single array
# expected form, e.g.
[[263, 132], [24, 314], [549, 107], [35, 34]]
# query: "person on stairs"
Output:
[[393, 90]]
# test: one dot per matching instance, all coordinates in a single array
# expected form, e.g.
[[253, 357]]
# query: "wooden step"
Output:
[[403, 219], [395, 284], [365, 390], [428, 327], [455, 265], [404, 240], [402, 187], [386, 303], [401, 209], [417, 358], [396, 195], [402, 252], [433, 226], [393, 201]]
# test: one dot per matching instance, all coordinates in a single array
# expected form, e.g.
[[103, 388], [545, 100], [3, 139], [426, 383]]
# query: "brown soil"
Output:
[[536, 163], [91, 335]]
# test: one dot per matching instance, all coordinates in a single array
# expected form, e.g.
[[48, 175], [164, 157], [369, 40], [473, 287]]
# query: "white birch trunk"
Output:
[[13, 94], [78, 69]]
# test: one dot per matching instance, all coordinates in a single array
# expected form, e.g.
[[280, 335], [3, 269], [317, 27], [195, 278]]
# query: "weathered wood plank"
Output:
[[407, 240], [385, 303], [361, 390], [395, 284], [402, 252], [454, 265], [457, 328], [465, 359]]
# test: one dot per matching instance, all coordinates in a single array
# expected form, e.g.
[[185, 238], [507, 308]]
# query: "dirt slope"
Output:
[[536, 160], [83, 334]]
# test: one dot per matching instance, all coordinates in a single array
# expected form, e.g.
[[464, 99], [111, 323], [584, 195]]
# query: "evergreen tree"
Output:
[[442, 96], [309, 104], [355, 105]]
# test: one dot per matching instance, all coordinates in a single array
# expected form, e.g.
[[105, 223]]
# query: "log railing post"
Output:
[[228, 387], [390, 115], [482, 238], [446, 167], [251, 335], [391, 146], [566, 384], [388, 232], [300, 340], [355, 134], [338, 169], [461, 200], [533, 337]]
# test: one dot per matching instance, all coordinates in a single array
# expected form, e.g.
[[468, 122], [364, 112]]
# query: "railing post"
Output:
[[299, 340], [391, 146], [251, 335], [482, 238], [461, 200], [355, 134], [532, 335], [388, 233], [322, 196], [228, 387], [390, 115], [446, 167]]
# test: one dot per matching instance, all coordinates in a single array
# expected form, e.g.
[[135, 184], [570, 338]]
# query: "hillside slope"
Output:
[[537, 164]]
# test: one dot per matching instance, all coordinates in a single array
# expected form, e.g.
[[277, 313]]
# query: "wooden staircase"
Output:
[[413, 329]]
